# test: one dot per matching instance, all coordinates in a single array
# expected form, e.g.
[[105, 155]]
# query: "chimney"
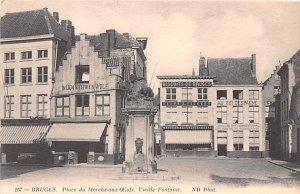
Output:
[[253, 64], [82, 36], [56, 16], [111, 38], [126, 35], [104, 48], [201, 65], [65, 24]]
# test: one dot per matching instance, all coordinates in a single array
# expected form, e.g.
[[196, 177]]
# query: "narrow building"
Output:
[[271, 98], [290, 129], [33, 43], [88, 95], [238, 107]]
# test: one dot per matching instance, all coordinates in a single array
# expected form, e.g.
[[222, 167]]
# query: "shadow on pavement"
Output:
[[12, 171], [294, 179]]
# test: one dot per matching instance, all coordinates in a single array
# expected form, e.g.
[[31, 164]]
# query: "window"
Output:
[[202, 93], [63, 106], [276, 90], [222, 114], [9, 76], [202, 116], [254, 140], [42, 53], [42, 74], [238, 138], [171, 117], [254, 114], [42, 105], [102, 104], [26, 55], [9, 56], [82, 74], [26, 76], [8, 109], [25, 105], [171, 93], [237, 94], [238, 114], [186, 96], [82, 105], [253, 95], [221, 94]]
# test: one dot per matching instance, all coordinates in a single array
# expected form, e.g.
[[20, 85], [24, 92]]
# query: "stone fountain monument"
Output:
[[139, 114]]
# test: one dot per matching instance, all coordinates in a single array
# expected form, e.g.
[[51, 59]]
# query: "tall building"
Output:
[[219, 112], [33, 44], [290, 130], [88, 95], [271, 97]]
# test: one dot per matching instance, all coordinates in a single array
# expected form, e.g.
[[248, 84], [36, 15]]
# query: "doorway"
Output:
[[222, 150]]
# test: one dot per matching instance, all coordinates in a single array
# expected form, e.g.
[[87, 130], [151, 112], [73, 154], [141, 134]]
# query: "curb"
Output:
[[284, 166], [72, 166]]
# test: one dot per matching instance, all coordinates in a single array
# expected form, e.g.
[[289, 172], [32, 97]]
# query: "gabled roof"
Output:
[[102, 42], [232, 71], [31, 23]]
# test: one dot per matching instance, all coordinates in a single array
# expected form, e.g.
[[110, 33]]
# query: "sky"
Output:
[[178, 31]]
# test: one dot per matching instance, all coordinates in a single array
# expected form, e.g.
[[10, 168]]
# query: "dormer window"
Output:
[[82, 74]]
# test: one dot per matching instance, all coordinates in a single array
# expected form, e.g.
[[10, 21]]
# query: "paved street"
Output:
[[193, 172]]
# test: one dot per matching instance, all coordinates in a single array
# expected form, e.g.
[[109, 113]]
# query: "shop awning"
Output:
[[188, 137], [76, 132], [23, 134]]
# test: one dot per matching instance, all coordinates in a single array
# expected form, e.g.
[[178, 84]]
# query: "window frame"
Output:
[[28, 103], [43, 75], [10, 77], [220, 110], [42, 54], [63, 106], [44, 103], [8, 56], [85, 110], [252, 112], [26, 55], [28, 74], [103, 105], [171, 93], [252, 95], [10, 104], [201, 94]]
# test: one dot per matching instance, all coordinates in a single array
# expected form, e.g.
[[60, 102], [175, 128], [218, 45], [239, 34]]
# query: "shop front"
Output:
[[189, 140], [73, 143], [23, 141]]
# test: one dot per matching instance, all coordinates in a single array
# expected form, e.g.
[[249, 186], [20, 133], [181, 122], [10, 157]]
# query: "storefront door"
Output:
[[222, 150]]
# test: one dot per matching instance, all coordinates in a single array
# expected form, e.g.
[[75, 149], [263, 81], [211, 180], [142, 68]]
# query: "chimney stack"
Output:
[[253, 64], [202, 65], [56, 16]]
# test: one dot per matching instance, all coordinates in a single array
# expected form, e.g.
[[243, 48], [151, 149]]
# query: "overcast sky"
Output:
[[178, 31]]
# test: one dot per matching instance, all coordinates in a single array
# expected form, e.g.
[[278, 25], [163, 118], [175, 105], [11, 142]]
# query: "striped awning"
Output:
[[188, 137], [23, 134], [76, 132]]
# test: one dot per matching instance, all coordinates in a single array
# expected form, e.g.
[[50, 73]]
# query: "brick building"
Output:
[[33, 43], [87, 97], [290, 131], [271, 97]]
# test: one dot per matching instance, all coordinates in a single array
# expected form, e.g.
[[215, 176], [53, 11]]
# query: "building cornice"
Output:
[[24, 38], [184, 77]]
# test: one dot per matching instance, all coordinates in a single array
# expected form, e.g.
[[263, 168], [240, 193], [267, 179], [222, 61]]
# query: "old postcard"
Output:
[[149, 97]]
